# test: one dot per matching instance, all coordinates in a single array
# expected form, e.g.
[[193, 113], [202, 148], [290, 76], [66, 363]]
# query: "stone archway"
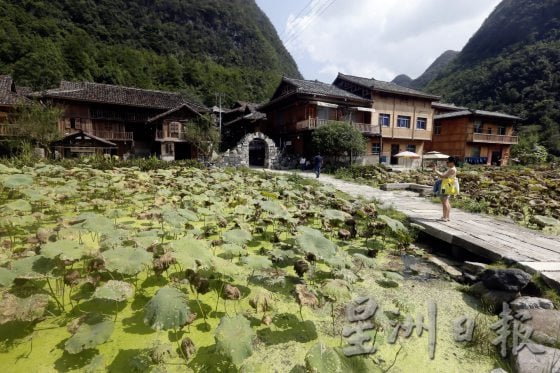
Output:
[[255, 149]]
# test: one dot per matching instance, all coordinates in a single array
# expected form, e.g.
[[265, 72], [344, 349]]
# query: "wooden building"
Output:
[[10, 97], [475, 136], [404, 115], [129, 117], [240, 120], [298, 107]]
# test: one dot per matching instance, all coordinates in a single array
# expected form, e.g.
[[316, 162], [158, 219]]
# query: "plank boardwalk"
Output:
[[490, 237]]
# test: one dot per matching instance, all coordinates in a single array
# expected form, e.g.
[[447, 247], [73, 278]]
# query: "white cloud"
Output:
[[380, 38]]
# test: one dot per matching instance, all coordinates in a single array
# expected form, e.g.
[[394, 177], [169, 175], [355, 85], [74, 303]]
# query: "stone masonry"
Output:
[[239, 156]]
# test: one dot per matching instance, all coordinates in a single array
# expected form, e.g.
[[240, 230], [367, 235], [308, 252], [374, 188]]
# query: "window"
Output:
[[174, 128], [501, 131], [403, 121], [478, 127], [411, 148], [384, 120], [475, 151], [421, 123], [72, 122], [375, 149], [169, 148], [437, 129]]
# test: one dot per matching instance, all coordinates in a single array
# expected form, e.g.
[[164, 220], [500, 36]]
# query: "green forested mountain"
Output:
[[430, 74], [512, 64], [197, 46]]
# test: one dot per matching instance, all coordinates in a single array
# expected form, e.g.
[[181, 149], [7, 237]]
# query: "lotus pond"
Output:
[[186, 269]]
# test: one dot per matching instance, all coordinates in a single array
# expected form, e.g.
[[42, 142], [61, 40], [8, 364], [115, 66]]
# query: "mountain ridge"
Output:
[[200, 48]]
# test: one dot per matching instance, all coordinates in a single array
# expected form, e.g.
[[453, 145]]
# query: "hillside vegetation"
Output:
[[511, 64], [201, 47]]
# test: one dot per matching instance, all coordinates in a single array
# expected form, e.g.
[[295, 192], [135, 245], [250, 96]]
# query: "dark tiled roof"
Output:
[[443, 105], [378, 85], [84, 135], [315, 87], [9, 94], [118, 95], [483, 113], [171, 111]]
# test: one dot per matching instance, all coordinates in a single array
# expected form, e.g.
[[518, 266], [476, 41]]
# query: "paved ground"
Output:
[[488, 236]]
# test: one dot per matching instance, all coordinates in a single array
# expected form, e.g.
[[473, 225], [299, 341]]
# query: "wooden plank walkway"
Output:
[[490, 237]]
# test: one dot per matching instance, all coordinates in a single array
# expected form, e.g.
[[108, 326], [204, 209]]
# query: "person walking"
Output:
[[317, 164], [449, 186]]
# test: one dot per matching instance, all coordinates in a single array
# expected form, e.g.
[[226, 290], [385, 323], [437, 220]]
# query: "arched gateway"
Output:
[[255, 149]]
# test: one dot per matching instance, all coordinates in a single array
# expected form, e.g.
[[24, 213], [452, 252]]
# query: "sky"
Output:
[[373, 38]]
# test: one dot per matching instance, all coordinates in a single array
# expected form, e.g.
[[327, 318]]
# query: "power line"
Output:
[[312, 13], [297, 15], [319, 12]]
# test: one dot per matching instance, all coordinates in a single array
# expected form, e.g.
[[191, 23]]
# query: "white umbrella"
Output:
[[435, 155], [407, 155]]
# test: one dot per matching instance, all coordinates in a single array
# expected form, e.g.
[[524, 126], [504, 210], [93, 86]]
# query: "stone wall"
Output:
[[239, 156]]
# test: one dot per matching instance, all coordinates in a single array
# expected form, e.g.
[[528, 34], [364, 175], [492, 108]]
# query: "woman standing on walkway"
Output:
[[449, 186]]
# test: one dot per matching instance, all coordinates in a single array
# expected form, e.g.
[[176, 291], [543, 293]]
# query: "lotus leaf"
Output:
[[168, 309], [97, 223], [256, 262], [225, 267], [322, 359], [33, 267], [27, 309], [6, 277], [16, 181], [312, 241], [97, 364], [275, 209], [237, 236], [91, 333], [363, 261], [395, 225], [337, 290], [114, 290], [188, 250], [336, 215], [234, 339], [126, 260], [261, 300], [65, 249], [18, 205], [231, 250]]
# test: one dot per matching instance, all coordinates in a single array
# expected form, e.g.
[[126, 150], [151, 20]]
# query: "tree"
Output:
[[203, 134], [338, 139], [38, 124]]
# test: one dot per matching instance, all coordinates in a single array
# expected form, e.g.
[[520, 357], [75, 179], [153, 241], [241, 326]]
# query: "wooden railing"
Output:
[[9, 130], [496, 139], [314, 123], [111, 135]]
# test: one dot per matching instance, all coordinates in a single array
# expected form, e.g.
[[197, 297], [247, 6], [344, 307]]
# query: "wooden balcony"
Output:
[[114, 136], [494, 139], [314, 123], [9, 130], [170, 136]]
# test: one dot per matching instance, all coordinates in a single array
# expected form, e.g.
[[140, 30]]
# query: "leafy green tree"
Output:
[[337, 139], [37, 124], [203, 134]]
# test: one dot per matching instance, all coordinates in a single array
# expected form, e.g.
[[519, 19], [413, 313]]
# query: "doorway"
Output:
[[394, 150], [257, 152]]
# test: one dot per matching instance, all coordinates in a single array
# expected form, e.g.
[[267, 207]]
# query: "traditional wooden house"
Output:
[[241, 119], [404, 115], [79, 144], [298, 107], [10, 97], [137, 120], [475, 136]]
